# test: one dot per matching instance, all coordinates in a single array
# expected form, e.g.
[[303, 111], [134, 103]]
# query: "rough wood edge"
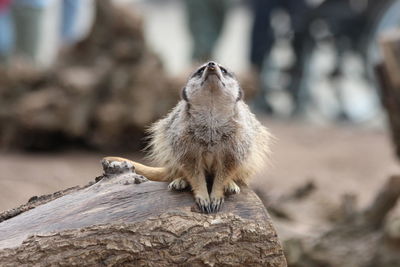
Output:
[[174, 237], [36, 201]]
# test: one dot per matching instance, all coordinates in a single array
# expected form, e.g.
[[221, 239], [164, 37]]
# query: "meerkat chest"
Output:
[[208, 160], [212, 137]]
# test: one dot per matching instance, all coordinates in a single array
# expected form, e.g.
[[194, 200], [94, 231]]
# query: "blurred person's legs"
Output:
[[298, 88], [37, 31], [261, 42], [262, 34], [70, 9], [6, 35], [301, 43], [84, 19], [206, 20], [50, 41], [77, 21], [27, 21]]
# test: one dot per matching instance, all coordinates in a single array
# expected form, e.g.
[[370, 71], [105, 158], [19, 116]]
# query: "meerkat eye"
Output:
[[224, 71]]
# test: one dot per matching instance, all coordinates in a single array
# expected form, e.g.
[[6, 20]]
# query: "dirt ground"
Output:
[[338, 159]]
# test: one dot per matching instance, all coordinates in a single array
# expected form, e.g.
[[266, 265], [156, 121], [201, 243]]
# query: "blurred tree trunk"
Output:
[[388, 73], [124, 220]]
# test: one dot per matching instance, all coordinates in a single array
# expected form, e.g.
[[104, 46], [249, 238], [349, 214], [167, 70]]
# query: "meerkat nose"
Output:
[[211, 65]]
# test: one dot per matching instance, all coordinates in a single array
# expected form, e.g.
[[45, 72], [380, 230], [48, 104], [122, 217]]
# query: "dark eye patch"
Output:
[[225, 71], [240, 95], [199, 71], [184, 94]]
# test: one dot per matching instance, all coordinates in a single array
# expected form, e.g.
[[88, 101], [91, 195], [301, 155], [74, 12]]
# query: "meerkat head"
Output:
[[212, 80]]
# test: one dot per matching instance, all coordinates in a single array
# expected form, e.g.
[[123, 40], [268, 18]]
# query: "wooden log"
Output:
[[124, 220]]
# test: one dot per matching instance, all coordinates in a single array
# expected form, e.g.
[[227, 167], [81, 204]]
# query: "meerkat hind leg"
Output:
[[217, 195], [232, 188], [178, 184], [216, 199], [200, 192], [203, 202]]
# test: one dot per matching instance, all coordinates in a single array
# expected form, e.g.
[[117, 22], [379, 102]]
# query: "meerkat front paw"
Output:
[[217, 198], [216, 203], [232, 188], [178, 184], [203, 203]]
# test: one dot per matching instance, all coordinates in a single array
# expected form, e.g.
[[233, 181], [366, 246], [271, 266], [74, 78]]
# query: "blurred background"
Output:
[[82, 79]]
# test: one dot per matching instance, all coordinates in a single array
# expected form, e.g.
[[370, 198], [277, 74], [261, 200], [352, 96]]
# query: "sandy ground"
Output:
[[340, 159]]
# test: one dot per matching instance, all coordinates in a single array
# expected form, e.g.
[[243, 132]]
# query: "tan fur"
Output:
[[210, 132]]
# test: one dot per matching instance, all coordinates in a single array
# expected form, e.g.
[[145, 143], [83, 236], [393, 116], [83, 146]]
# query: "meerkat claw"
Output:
[[232, 188], [216, 204], [178, 184], [203, 204]]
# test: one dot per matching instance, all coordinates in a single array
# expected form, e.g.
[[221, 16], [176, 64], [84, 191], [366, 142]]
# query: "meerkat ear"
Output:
[[184, 95], [240, 95]]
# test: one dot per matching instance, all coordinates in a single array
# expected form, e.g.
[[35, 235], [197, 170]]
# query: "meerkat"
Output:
[[211, 135]]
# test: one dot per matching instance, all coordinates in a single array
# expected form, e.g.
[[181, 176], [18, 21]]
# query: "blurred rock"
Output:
[[104, 91]]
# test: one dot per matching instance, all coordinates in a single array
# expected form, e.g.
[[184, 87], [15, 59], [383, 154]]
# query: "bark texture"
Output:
[[173, 238], [124, 220]]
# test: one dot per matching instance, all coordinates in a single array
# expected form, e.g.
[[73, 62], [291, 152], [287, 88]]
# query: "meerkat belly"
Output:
[[211, 146], [208, 161], [215, 154]]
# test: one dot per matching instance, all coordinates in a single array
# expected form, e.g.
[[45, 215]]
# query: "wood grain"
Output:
[[117, 222]]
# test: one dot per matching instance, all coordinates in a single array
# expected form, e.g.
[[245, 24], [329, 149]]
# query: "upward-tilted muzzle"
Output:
[[211, 65], [212, 68]]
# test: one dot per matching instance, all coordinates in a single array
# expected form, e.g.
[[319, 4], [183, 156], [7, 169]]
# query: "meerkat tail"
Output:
[[157, 174]]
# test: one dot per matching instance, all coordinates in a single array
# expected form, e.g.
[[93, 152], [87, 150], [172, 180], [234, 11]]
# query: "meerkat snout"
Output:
[[213, 75], [212, 81], [211, 65]]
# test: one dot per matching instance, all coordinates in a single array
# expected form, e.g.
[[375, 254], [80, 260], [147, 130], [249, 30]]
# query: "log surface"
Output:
[[117, 222]]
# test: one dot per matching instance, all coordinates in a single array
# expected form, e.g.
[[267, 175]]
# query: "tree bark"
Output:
[[124, 220]]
